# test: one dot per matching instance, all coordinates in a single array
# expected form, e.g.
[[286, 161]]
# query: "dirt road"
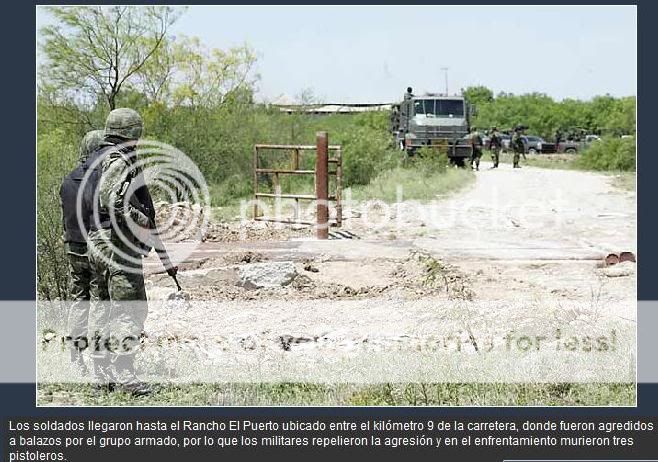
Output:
[[521, 251], [523, 214]]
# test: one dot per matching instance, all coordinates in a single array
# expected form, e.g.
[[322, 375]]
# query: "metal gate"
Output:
[[322, 172]]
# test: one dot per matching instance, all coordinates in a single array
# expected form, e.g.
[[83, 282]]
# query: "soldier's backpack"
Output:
[[77, 194], [96, 218]]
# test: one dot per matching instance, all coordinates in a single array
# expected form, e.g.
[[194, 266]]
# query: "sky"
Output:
[[368, 54]]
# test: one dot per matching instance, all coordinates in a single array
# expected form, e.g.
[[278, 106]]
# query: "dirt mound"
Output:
[[418, 276], [251, 231], [231, 258], [183, 221], [301, 288], [425, 275], [236, 258]]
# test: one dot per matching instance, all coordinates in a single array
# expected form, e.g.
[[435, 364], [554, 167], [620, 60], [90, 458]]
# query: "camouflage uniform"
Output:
[[476, 145], [558, 138], [76, 252], [495, 145], [79, 295], [517, 146], [117, 324]]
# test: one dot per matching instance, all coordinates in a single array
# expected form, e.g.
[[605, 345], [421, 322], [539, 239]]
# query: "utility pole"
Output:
[[445, 72]]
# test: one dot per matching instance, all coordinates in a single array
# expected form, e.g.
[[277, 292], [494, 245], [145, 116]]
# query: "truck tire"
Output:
[[458, 161], [570, 150], [532, 151]]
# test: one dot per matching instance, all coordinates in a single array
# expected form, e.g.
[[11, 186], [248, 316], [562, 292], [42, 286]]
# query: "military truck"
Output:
[[434, 120]]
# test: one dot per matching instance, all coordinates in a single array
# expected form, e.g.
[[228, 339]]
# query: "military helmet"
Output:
[[90, 142], [125, 123]]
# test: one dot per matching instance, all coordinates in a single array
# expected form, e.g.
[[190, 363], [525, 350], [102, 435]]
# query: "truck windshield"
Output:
[[440, 107]]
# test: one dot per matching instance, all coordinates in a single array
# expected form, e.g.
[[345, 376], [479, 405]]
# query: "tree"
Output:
[[210, 76], [97, 50], [478, 95], [153, 79], [621, 119]]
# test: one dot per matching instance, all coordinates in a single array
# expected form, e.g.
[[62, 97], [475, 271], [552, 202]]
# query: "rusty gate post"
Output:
[[255, 182], [295, 166], [339, 188], [322, 185]]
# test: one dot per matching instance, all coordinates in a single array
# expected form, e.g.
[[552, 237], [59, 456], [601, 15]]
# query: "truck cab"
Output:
[[434, 120]]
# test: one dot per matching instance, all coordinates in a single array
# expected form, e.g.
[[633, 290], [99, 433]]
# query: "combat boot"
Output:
[[78, 361], [127, 380], [103, 375]]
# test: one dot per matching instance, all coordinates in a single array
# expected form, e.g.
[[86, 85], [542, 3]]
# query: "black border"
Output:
[[17, 232]]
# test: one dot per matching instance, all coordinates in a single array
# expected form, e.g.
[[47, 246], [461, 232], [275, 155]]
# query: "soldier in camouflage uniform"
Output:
[[116, 254], [558, 139], [517, 145], [495, 146], [76, 250], [476, 145]]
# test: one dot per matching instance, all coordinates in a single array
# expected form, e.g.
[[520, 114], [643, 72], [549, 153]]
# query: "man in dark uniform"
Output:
[[75, 241]]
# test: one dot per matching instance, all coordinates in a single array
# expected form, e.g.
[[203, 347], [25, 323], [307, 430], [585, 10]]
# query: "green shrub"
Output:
[[234, 187], [429, 161], [57, 155], [378, 120], [421, 179], [610, 154], [366, 152]]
